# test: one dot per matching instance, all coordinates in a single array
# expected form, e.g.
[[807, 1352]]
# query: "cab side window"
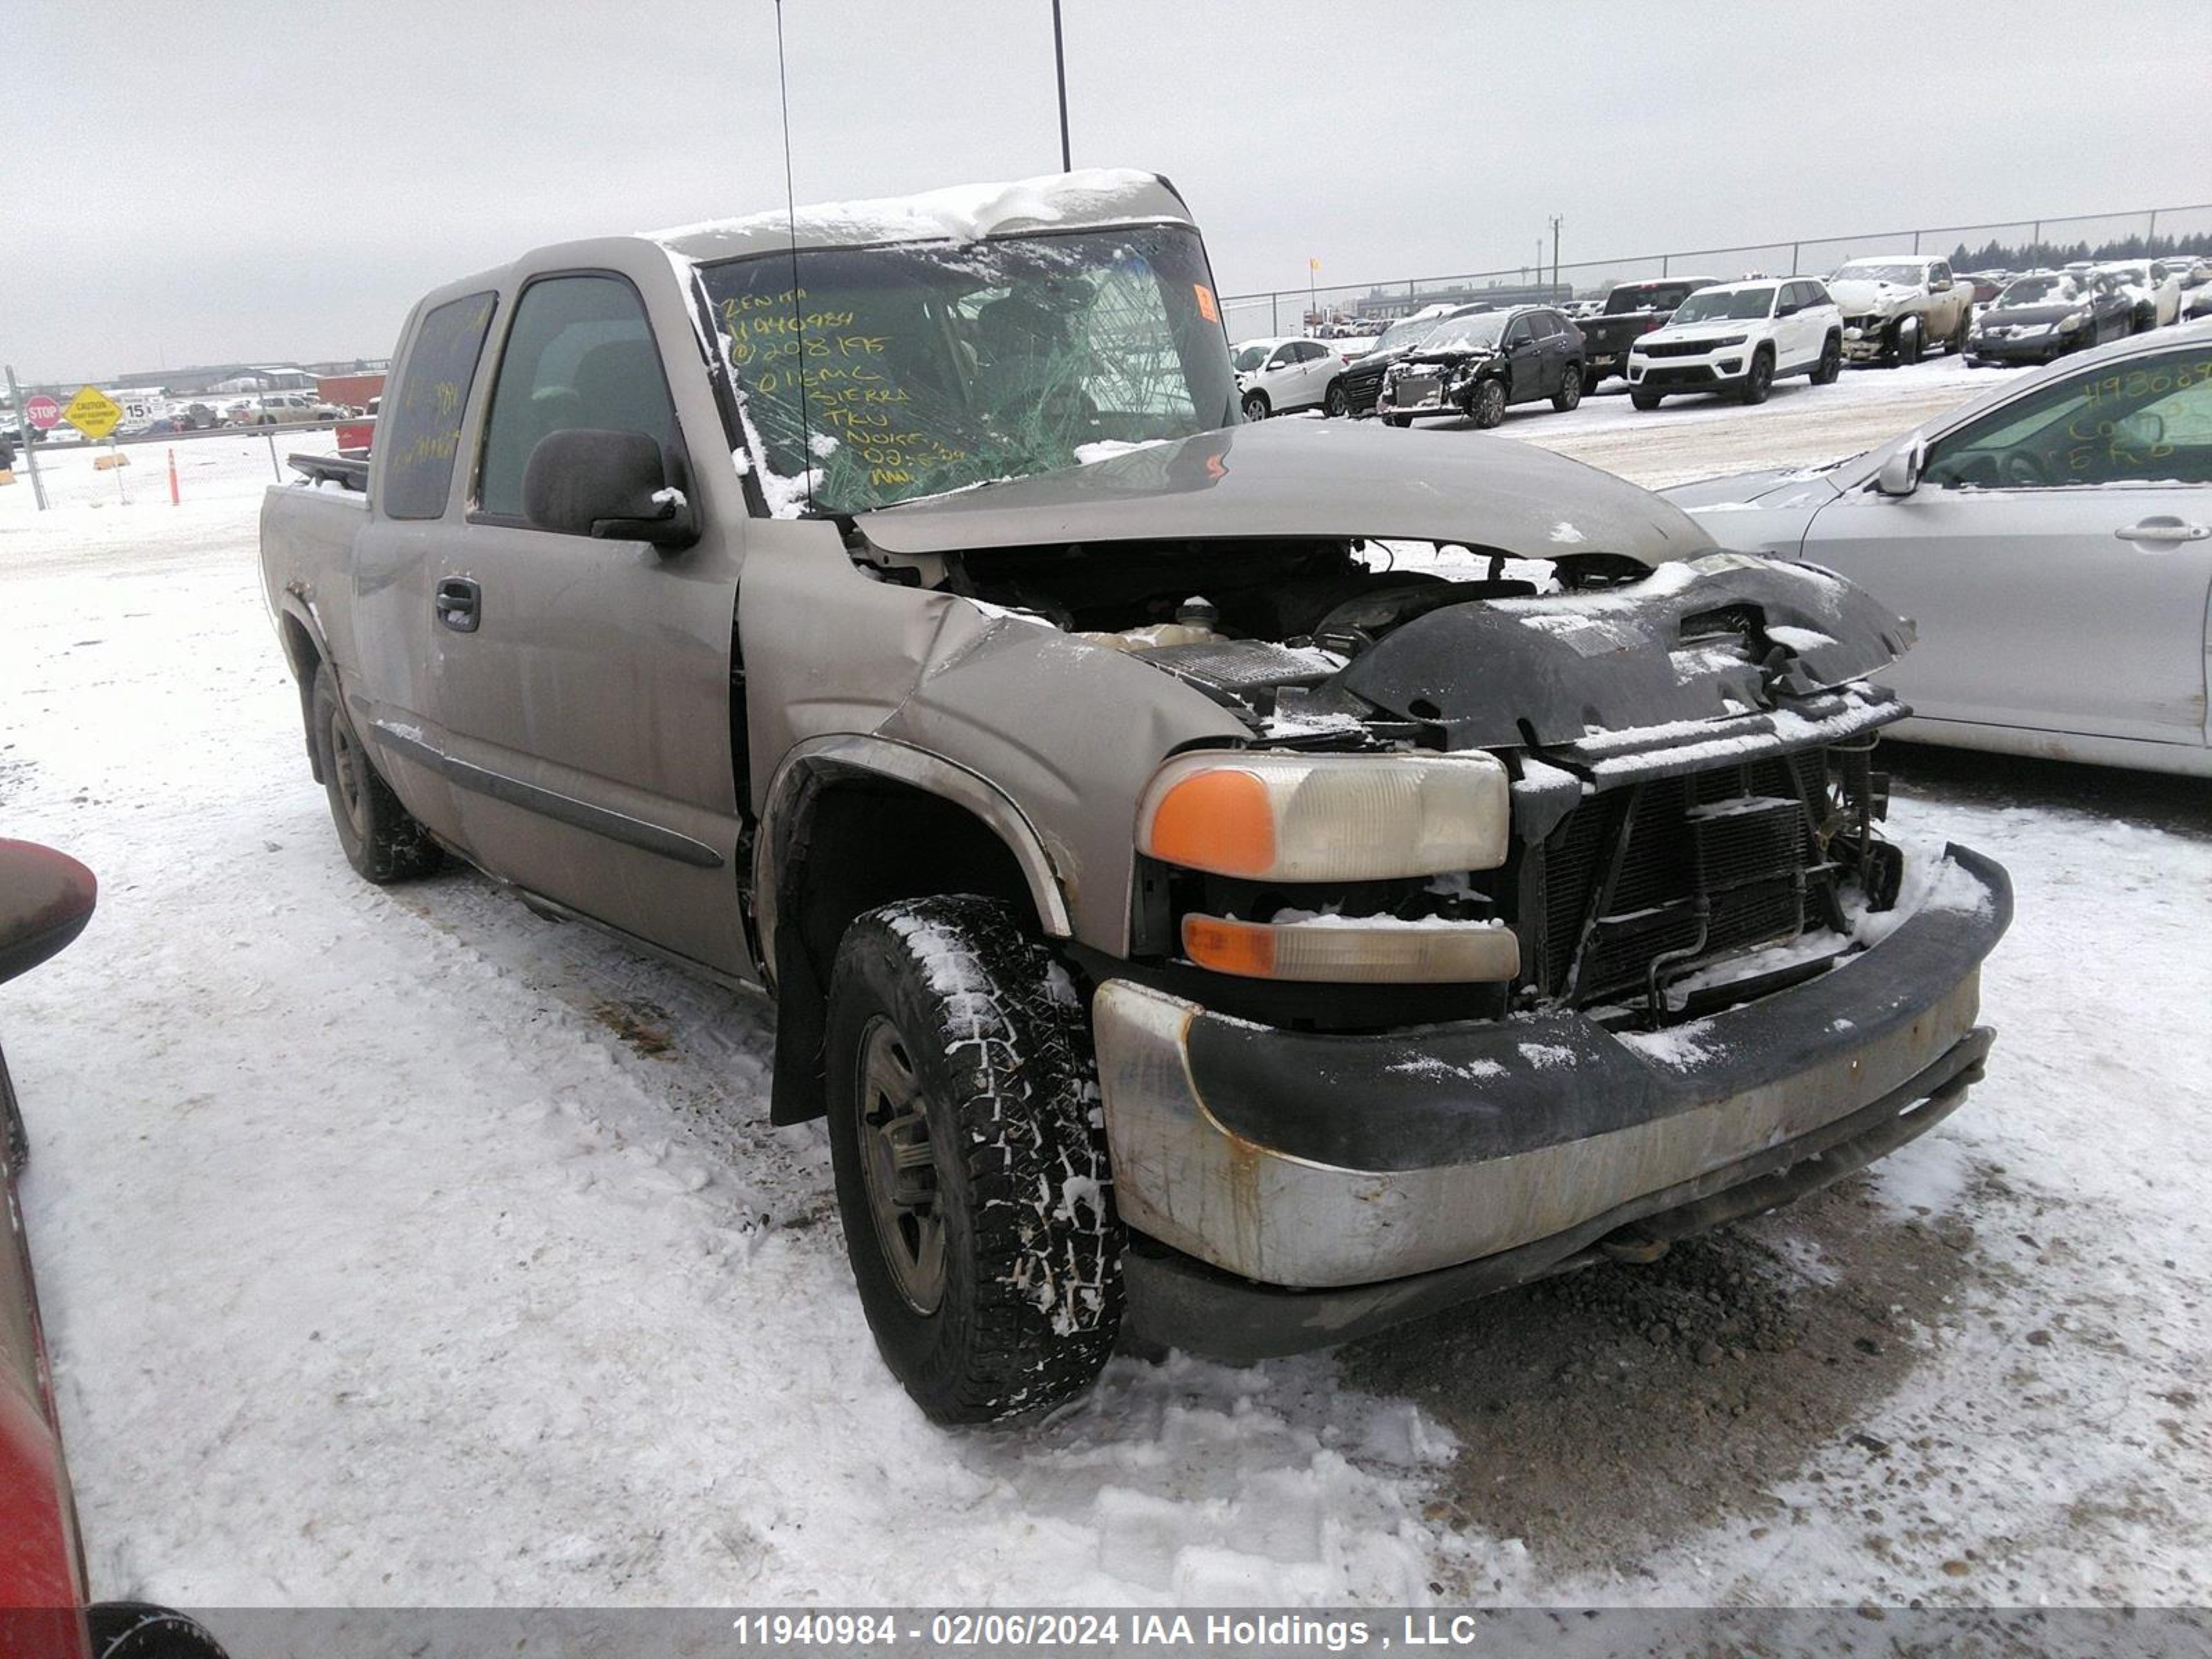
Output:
[[580, 355], [1517, 333], [2146, 421], [421, 420]]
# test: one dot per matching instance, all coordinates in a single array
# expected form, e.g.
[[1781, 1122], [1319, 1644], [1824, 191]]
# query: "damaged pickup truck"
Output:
[[1240, 885]]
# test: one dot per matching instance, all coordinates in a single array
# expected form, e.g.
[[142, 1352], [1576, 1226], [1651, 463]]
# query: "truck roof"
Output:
[[1093, 197]]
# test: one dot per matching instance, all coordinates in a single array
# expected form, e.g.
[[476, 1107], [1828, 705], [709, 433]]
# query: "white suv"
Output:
[[1738, 337], [1277, 375]]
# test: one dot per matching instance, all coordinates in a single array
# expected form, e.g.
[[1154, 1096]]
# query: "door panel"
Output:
[[585, 719], [2031, 611]]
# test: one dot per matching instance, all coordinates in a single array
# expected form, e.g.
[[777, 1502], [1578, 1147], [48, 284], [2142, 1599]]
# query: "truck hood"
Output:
[[1703, 641], [1855, 298], [1300, 480]]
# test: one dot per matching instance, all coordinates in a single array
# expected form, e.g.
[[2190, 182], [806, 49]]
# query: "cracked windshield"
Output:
[[913, 371]]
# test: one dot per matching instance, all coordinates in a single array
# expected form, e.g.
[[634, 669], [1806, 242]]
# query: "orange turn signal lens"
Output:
[[1219, 819], [1354, 949]]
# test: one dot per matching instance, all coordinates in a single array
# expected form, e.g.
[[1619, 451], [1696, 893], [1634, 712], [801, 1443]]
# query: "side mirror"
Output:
[[1940, 285], [614, 485], [46, 899], [1900, 473]]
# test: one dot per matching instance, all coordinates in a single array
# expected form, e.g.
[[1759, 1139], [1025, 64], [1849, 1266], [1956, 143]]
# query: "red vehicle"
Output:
[[45, 900]]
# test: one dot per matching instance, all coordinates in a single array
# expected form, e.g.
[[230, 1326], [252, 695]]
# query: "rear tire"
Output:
[[1759, 379], [1830, 366], [1571, 389], [381, 838], [1485, 404], [1255, 406], [973, 1181], [1643, 399], [1590, 380]]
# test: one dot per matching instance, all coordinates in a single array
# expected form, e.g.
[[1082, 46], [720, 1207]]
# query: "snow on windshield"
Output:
[[1733, 305], [2054, 290], [942, 366], [1476, 333], [1883, 270]]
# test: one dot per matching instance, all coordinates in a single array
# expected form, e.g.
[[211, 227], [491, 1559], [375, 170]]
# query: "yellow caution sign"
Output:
[[93, 412]]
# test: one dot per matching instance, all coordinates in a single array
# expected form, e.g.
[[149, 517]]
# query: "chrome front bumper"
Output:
[[1302, 1159]]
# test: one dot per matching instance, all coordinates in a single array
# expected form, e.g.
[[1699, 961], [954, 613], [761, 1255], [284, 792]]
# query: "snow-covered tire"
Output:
[[381, 838], [952, 1031], [135, 1630]]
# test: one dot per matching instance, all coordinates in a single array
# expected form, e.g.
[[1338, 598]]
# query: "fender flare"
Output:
[[808, 765]]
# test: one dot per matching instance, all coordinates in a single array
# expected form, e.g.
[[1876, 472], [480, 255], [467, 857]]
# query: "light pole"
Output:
[[1555, 250], [1059, 70]]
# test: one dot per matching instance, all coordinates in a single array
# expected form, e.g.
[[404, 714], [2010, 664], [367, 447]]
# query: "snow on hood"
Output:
[[1861, 294], [965, 213], [1291, 480], [1770, 487]]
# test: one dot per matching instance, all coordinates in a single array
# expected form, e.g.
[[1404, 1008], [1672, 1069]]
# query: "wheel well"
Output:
[[1256, 396], [861, 842], [300, 651]]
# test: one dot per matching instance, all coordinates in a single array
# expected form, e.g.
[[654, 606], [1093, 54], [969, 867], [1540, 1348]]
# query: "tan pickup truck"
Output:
[[1243, 884]]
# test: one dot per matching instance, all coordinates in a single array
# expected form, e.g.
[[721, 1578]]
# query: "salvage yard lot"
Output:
[[400, 1246]]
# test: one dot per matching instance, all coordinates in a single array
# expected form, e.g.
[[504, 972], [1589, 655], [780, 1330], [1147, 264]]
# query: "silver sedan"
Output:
[[2053, 541]]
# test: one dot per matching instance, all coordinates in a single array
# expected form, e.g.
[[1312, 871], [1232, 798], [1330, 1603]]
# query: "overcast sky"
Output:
[[188, 181]]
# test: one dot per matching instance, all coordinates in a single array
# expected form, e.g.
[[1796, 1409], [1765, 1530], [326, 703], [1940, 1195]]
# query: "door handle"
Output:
[[460, 603], [2163, 530]]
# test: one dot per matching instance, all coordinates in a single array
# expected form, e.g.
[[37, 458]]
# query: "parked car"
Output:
[[1363, 376], [1897, 306], [1477, 366], [2047, 314], [1175, 908], [7, 452], [1276, 376], [2053, 540], [2197, 304], [283, 409], [2156, 298], [1631, 311], [1740, 337], [45, 900]]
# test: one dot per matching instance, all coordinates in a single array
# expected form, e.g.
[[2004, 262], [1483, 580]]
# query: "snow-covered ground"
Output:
[[400, 1246]]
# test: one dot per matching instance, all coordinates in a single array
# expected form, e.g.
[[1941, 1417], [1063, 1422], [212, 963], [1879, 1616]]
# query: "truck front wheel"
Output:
[[381, 841], [971, 1175]]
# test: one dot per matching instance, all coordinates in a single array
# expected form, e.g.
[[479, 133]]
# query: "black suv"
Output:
[[1476, 365]]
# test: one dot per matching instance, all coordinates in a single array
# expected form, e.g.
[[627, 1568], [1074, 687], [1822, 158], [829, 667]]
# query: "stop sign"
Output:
[[42, 412]]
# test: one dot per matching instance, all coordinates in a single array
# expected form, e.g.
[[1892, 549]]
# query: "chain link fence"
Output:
[[2014, 244]]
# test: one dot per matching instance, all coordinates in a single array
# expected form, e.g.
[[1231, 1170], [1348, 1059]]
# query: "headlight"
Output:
[[2072, 319], [1724, 342], [1277, 817]]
